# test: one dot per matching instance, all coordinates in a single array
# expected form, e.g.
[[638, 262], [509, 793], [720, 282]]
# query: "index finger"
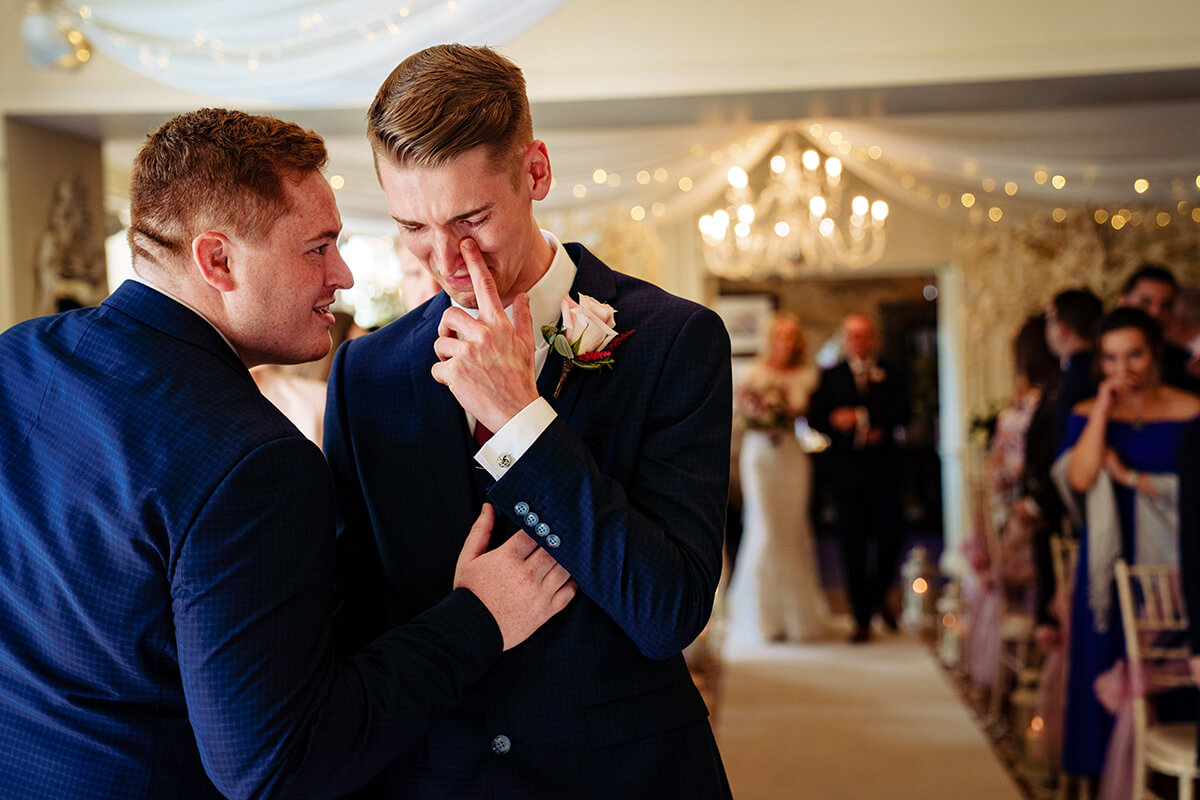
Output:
[[487, 298]]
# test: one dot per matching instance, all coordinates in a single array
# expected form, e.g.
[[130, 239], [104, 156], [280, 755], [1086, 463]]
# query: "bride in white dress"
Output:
[[775, 591]]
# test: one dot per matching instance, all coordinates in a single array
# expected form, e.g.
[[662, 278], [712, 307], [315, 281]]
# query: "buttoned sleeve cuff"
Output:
[[510, 442]]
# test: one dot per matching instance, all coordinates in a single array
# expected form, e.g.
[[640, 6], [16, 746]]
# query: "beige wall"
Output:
[[37, 159]]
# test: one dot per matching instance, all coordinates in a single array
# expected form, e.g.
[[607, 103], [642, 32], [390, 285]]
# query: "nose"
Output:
[[446, 254], [339, 275]]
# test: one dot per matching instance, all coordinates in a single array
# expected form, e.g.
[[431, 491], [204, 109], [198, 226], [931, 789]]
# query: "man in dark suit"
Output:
[[1070, 328], [167, 536], [858, 404], [1153, 289], [620, 473]]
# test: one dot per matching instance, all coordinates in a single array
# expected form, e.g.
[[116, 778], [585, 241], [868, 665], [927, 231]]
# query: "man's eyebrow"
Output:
[[329, 234], [458, 218]]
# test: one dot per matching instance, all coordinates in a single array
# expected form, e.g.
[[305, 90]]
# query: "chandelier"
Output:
[[795, 223]]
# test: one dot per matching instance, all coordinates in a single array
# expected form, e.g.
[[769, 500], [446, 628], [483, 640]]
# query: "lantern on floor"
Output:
[[920, 592], [952, 630]]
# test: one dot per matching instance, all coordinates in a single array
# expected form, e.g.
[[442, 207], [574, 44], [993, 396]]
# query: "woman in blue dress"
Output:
[[1126, 437]]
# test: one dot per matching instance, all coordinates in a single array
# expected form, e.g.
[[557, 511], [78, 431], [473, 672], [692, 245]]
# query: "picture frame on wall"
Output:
[[746, 317]]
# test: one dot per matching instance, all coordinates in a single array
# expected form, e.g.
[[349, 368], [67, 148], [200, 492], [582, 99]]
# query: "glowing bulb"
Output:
[[810, 159], [746, 213], [660, 175], [1101, 216], [643, 177], [875, 152], [706, 224], [737, 177], [1010, 188], [658, 209], [817, 206], [721, 218], [995, 213], [826, 227], [337, 181], [742, 230], [778, 164], [968, 199], [1141, 185], [685, 184], [1059, 214], [879, 210], [600, 176], [579, 190], [860, 206], [637, 213], [1058, 181], [1163, 219], [782, 229], [833, 167], [1040, 177], [920, 586]]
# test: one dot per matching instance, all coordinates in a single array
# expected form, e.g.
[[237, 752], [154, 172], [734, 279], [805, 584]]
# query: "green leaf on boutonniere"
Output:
[[563, 347]]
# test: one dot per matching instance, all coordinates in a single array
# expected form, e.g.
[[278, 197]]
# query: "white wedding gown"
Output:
[[775, 591]]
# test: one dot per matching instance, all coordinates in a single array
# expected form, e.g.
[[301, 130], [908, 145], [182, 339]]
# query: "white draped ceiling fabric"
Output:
[[300, 54], [1120, 160]]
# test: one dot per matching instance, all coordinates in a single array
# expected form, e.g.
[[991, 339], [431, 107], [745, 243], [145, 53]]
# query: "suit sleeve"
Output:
[[647, 552], [275, 713], [820, 405], [360, 613]]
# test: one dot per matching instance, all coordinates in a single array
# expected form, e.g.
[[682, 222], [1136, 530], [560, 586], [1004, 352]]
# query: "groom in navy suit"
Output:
[[167, 536], [621, 473]]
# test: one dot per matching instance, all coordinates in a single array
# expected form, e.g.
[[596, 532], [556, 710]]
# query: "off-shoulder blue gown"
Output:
[[1149, 447]]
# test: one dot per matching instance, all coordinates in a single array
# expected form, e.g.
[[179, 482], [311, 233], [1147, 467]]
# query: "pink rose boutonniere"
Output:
[[586, 338]]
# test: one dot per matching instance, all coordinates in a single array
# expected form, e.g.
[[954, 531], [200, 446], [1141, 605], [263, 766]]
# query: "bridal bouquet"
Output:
[[765, 408]]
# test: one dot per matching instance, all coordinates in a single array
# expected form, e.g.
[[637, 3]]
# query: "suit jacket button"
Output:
[[501, 745], [553, 541], [542, 529], [522, 508], [531, 519]]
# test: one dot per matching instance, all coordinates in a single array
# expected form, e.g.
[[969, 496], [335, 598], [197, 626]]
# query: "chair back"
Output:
[[1064, 553], [1155, 621]]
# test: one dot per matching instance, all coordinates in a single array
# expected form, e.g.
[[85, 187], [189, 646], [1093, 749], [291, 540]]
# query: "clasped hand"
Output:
[[487, 363]]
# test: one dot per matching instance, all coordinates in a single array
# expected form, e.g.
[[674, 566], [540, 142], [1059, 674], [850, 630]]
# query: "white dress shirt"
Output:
[[509, 443]]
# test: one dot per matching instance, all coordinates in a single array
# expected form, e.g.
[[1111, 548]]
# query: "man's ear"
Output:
[[537, 169], [210, 254]]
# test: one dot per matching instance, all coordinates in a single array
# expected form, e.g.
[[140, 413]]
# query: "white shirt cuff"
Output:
[[510, 442]]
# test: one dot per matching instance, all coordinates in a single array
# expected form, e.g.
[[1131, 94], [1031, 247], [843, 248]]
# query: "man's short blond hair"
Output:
[[214, 169], [448, 100]]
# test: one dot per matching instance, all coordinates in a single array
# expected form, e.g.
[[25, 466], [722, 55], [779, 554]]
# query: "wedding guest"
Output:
[[1183, 329], [1070, 327], [1153, 289], [621, 473], [167, 536], [775, 593], [858, 404], [1189, 541], [1123, 451], [416, 283], [1012, 511]]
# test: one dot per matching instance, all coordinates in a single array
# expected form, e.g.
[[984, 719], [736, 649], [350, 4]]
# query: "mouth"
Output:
[[324, 312]]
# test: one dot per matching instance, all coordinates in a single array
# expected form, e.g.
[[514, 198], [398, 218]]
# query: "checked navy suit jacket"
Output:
[[166, 579], [630, 481]]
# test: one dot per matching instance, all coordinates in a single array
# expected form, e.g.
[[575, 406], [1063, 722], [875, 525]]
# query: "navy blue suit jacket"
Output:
[[632, 477], [886, 402], [166, 579]]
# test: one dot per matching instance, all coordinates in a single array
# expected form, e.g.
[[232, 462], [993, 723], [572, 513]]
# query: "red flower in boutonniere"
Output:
[[586, 338]]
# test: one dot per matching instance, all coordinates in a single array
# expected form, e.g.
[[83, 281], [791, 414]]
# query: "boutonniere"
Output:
[[586, 338]]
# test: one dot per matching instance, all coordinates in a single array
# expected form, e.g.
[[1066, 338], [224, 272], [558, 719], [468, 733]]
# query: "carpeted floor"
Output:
[[834, 721]]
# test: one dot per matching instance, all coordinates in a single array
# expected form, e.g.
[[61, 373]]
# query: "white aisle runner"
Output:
[[838, 721]]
